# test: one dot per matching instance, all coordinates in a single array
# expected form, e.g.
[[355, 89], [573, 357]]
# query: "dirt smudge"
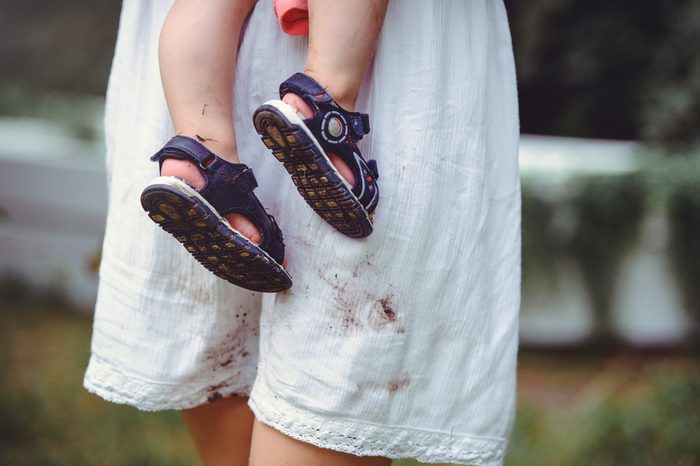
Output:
[[384, 315], [350, 321], [388, 308], [356, 310], [214, 392], [399, 384], [231, 348], [365, 263], [226, 363], [393, 386], [214, 396]]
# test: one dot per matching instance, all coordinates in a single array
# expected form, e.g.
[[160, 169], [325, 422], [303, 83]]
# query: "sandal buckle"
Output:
[[359, 122]]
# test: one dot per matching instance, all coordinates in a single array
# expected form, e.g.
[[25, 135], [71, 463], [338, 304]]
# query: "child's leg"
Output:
[[197, 55], [342, 38], [198, 48]]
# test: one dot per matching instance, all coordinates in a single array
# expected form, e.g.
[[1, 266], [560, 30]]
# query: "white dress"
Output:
[[400, 345]]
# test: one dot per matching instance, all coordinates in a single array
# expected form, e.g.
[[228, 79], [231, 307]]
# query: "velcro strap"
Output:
[[301, 85], [245, 182], [179, 144]]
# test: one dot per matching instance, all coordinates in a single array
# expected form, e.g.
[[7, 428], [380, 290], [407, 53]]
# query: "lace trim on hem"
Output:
[[365, 439], [114, 386]]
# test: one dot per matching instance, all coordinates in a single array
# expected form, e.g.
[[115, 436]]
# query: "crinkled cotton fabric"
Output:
[[400, 345]]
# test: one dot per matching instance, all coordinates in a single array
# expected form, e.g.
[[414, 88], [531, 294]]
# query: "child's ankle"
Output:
[[342, 90], [222, 148]]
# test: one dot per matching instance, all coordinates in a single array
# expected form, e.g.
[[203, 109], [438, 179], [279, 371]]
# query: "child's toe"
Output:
[[241, 224]]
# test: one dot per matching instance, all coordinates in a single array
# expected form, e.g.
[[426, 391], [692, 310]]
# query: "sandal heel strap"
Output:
[[301, 84], [179, 144], [182, 147]]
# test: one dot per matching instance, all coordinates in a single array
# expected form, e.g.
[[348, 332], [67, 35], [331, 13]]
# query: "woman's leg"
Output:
[[197, 54], [342, 38], [272, 448], [221, 431]]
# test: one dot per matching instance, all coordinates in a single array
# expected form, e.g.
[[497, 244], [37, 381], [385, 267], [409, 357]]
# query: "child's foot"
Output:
[[186, 170], [316, 140], [305, 111], [208, 205]]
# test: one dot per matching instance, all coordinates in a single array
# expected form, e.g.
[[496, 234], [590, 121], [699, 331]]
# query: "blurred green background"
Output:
[[621, 70]]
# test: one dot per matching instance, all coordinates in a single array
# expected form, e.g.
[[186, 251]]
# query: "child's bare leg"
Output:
[[198, 48], [342, 38], [197, 54], [221, 431]]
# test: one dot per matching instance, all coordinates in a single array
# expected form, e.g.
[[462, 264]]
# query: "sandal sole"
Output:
[[179, 210], [314, 175]]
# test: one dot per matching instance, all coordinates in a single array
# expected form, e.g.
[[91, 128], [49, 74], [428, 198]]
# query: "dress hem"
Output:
[[114, 386], [362, 438]]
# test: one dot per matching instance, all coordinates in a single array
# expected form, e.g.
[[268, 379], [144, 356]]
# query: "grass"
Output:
[[574, 409], [47, 418], [623, 409]]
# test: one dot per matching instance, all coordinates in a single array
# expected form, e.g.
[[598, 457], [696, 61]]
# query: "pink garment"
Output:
[[293, 16]]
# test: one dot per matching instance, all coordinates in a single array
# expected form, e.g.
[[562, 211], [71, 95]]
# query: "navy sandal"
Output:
[[302, 146], [195, 218]]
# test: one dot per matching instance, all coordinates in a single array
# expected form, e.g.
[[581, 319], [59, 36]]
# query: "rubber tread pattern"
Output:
[[211, 241], [313, 173]]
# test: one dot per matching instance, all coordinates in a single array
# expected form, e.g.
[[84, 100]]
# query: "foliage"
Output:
[[46, 417], [671, 102], [623, 70], [684, 216], [542, 242], [57, 46], [609, 211], [659, 431], [658, 427], [601, 221]]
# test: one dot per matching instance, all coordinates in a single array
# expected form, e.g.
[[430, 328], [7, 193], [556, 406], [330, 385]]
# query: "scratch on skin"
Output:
[[202, 139]]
